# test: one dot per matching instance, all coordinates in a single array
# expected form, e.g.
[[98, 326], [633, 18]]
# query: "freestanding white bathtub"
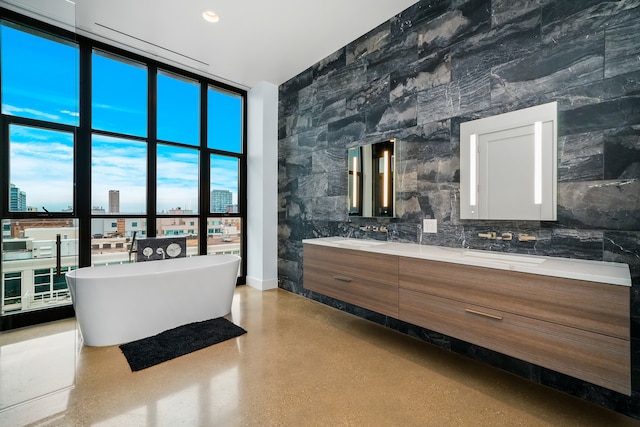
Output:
[[120, 303]]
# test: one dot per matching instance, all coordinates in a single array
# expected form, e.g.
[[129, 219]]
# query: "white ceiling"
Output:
[[255, 40]]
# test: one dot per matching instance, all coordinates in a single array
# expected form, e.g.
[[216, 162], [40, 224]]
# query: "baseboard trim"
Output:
[[263, 285]]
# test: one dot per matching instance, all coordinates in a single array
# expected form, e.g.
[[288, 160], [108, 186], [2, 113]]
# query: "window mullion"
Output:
[[205, 178], [83, 159], [152, 151]]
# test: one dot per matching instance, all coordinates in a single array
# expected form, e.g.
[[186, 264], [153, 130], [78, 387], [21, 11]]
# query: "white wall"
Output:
[[262, 185]]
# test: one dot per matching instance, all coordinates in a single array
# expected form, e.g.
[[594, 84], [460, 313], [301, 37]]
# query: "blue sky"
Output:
[[41, 162]]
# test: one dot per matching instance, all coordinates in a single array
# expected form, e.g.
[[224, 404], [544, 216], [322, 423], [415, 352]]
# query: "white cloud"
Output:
[[29, 112]]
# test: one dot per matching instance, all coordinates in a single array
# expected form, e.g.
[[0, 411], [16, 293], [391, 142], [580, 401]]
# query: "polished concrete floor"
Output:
[[300, 364]]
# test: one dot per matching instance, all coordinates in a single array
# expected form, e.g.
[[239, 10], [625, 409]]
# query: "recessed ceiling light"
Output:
[[210, 16]]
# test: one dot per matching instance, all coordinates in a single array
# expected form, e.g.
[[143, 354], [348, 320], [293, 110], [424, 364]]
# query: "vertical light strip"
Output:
[[385, 180], [354, 180], [473, 150], [537, 172]]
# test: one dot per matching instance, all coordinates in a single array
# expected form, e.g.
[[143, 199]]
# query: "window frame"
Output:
[[82, 209]]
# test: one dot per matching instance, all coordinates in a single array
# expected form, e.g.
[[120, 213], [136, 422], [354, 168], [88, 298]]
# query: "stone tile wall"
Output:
[[440, 63]]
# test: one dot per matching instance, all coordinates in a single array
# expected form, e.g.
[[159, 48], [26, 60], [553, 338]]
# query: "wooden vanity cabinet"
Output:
[[574, 327], [366, 279]]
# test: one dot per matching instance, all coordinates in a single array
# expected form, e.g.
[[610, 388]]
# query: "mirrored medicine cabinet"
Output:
[[372, 180], [508, 165]]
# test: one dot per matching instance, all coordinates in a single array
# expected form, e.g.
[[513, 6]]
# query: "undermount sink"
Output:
[[501, 257], [360, 242]]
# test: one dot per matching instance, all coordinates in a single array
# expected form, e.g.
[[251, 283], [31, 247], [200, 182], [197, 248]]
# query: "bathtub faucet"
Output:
[[133, 242]]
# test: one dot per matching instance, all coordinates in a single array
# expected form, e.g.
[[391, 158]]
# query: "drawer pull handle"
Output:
[[342, 278], [480, 313]]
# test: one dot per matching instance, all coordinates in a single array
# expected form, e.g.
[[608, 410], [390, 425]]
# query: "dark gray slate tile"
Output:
[[419, 13], [437, 202], [506, 11], [330, 208], [391, 58], [576, 243], [422, 74], [287, 103], [298, 123], [438, 170], [401, 113], [371, 42], [611, 205], [617, 113], [433, 131], [312, 139], [297, 166], [346, 131], [622, 48], [338, 182], [408, 208], [289, 271], [463, 21], [572, 63], [622, 153], [298, 82], [463, 96], [334, 62], [331, 111], [313, 185], [295, 208], [307, 99], [581, 157], [363, 98], [624, 246], [590, 94], [406, 176], [622, 85], [433, 143], [508, 363], [633, 410], [496, 46], [341, 85], [327, 160], [566, 19]]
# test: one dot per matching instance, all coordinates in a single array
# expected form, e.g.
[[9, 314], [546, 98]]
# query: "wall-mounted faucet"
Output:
[[489, 235], [523, 237], [382, 228], [494, 236]]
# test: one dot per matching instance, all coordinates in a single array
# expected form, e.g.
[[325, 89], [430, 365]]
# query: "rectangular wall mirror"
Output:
[[508, 165], [372, 179]]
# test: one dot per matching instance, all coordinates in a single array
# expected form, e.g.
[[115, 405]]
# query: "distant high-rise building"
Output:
[[17, 199], [114, 201], [221, 200]]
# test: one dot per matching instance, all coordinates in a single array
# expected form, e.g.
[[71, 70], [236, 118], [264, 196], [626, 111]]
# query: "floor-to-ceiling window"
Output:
[[40, 92], [119, 155], [100, 147]]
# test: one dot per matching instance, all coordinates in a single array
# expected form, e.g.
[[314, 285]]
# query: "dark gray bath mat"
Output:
[[179, 341]]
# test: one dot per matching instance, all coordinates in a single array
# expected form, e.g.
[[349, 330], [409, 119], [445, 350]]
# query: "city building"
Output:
[[221, 201], [177, 225], [17, 199], [114, 201]]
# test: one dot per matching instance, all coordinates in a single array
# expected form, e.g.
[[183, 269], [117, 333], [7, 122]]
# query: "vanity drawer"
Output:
[[373, 295], [361, 278], [592, 306], [353, 263], [600, 359]]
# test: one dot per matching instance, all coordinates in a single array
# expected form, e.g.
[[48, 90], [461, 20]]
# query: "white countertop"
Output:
[[594, 271]]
